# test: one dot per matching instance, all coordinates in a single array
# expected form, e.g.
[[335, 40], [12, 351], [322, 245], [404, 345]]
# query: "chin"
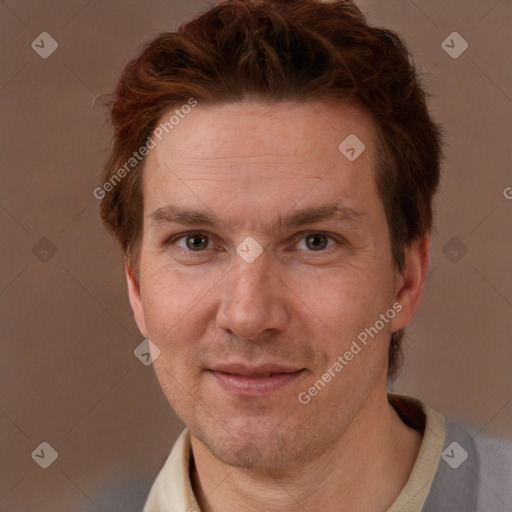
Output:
[[262, 446], [266, 458]]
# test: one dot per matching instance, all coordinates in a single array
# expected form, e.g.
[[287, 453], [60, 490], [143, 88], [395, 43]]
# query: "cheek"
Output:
[[176, 310], [174, 300], [345, 299]]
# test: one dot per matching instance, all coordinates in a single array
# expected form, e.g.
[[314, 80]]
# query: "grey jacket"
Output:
[[474, 474]]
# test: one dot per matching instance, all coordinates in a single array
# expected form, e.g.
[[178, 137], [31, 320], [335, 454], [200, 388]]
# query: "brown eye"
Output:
[[316, 241], [197, 242], [190, 242]]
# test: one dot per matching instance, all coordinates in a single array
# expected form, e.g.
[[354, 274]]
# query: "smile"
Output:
[[245, 381]]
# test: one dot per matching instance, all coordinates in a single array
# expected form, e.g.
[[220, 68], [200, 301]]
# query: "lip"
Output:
[[255, 380]]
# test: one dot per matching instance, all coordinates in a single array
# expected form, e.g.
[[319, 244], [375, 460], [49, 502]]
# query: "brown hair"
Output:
[[281, 50]]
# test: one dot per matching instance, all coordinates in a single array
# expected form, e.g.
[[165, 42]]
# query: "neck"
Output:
[[366, 469]]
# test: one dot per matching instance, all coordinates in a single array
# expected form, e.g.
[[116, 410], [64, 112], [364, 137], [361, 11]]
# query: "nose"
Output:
[[253, 303]]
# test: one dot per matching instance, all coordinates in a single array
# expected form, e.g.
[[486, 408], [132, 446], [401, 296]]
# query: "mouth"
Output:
[[255, 381]]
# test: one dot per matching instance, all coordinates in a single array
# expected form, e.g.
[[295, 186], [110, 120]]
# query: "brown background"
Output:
[[68, 375]]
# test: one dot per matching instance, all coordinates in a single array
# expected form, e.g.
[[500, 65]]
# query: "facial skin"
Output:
[[251, 164]]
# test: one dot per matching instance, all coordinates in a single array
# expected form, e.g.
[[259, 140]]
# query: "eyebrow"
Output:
[[292, 219]]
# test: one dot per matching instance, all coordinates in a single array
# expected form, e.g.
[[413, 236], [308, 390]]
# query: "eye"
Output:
[[315, 242], [199, 242], [195, 242]]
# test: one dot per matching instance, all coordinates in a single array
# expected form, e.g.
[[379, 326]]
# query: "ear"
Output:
[[411, 282], [135, 298]]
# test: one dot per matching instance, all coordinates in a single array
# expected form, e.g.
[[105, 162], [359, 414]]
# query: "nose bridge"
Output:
[[250, 283], [251, 300]]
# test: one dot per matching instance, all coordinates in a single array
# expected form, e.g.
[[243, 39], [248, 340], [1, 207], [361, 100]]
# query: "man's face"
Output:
[[241, 339]]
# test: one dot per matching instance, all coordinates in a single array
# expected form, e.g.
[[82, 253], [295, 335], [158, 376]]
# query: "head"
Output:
[[242, 115]]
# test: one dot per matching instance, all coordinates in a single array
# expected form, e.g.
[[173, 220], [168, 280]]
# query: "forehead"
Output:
[[263, 153], [288, 128]]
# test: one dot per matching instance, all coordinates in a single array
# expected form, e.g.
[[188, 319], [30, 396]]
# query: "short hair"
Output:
[[279, 50]]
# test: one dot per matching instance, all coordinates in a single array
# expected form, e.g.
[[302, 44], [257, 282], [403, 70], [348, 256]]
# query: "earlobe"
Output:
[[135, 298], [411, 281]]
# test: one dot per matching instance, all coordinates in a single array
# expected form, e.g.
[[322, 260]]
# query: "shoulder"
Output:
[[468, 471], [495, 473], [482, 464]]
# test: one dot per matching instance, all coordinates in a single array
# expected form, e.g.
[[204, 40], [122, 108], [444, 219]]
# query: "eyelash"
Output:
[[304, 235]]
